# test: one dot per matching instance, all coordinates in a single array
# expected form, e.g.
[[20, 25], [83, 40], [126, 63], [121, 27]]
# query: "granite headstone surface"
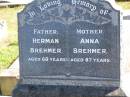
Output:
[[68, 48]]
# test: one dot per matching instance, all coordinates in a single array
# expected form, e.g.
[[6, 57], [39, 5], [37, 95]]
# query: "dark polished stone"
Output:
[[61, 91], [68, 48], [69, 39]]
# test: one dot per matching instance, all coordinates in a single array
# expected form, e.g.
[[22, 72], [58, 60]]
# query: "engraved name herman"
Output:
[[45, 40]]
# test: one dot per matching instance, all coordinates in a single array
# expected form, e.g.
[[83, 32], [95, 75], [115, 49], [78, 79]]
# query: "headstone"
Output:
[[68, 48]]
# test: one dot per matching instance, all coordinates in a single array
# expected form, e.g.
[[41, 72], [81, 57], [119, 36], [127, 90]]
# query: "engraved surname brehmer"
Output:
[[89, 51], [45, 50]]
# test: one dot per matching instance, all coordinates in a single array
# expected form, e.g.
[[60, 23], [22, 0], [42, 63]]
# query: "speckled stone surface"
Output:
[[65, 91], [73, 67]]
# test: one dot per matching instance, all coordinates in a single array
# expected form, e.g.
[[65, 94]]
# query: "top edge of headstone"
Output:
[[111, 4], [100, 8]]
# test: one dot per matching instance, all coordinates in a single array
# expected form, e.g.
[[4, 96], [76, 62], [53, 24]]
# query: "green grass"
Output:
[[10, 15], [8, 55], [124, 5], [9, 46]]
